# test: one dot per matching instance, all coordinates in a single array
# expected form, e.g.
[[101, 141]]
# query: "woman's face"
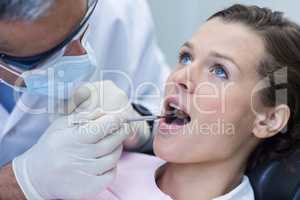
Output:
[[212, 86]]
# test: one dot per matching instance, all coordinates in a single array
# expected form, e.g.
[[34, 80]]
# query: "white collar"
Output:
[[242, 192]]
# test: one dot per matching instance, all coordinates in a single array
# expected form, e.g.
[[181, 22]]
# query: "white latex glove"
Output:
[[72, 162], [106, 98]]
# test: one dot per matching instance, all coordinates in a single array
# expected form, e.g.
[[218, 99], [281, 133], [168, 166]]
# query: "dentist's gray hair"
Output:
[[25, 10]]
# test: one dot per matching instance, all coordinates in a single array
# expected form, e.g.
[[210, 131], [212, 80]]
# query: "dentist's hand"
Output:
[[73, 162], [105, 97]]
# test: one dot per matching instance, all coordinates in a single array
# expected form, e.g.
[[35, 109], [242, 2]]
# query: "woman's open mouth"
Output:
[[175, 115]]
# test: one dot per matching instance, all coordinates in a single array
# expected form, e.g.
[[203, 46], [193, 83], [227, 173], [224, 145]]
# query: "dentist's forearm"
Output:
[[9, 188]]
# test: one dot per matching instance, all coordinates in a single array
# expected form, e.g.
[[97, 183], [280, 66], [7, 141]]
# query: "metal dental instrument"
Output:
[[130, 120], [144, 118]]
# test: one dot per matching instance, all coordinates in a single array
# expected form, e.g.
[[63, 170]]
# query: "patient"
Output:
[[228, 111]]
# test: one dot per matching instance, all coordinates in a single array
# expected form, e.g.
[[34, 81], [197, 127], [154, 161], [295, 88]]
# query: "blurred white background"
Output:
[[176, 20]]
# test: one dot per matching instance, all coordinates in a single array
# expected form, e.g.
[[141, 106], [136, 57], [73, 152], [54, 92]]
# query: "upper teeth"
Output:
[[177, 111], [174, 106]]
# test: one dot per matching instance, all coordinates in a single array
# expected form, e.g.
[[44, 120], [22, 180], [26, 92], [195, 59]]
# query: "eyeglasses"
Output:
[[11, 67], [31, 62]]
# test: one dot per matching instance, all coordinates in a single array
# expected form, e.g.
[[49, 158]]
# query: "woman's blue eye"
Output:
[[219, 71], [185, 59]]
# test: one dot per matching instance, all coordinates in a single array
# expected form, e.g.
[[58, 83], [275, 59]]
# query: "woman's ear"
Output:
[[271, 122]]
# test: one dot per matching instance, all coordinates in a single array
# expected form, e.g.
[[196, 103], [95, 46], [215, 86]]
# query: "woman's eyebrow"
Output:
[[188, 45], [222, 56]]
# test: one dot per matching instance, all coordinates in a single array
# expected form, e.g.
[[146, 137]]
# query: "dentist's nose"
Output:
[[183, 80], [75, 48]]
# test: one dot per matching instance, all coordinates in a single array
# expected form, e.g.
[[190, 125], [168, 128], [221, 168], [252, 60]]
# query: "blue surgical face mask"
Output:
[[58, 79]]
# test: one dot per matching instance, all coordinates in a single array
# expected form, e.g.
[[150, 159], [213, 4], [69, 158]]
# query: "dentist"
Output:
[[48, 48]]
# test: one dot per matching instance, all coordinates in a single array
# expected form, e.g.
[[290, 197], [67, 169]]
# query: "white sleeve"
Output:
[[123, 38]]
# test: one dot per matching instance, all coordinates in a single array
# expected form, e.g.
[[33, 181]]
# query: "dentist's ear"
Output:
[[271, 122]]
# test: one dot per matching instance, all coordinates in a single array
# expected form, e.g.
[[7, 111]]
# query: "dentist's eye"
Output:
[[219, 71], [185, 58]]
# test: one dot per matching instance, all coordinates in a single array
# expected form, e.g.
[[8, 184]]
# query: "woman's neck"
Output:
[[203, 181]]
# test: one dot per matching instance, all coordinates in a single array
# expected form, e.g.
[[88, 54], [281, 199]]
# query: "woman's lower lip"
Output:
[[168, 128]]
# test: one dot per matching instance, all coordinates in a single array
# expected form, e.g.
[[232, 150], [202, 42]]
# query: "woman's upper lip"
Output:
[[176, 101]]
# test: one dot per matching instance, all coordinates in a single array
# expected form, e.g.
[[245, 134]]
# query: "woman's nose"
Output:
[[183, 80], [75, 48]]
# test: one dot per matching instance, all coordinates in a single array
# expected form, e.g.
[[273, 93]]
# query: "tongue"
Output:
[[178, 120], [177, 116]]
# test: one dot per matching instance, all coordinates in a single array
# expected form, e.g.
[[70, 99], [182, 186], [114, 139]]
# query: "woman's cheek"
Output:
[[207, 106], [208, 99], [170, 88], [214, 111]]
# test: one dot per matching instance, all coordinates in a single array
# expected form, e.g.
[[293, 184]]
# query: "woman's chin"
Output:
[[166, 149], [160, 149]]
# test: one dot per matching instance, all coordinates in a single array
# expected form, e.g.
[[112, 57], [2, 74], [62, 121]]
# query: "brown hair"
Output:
[[281, 62]]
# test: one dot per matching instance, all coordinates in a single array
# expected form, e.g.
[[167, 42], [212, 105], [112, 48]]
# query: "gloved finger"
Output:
[[140, 134], [81, 95], [97, 113], [94, 131], [101, 165], [108, 144], [85, 117], [93, 101], [105, 95]]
